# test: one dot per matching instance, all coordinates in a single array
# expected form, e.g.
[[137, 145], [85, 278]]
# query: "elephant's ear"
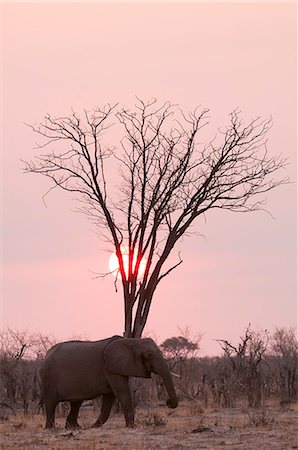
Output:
[[124, 357]]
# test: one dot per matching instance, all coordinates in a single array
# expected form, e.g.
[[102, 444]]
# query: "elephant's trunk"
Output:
[[165, 374]]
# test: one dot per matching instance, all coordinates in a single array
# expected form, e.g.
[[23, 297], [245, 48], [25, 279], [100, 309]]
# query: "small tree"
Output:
[[166, 181], [284, 348], [15, 346], [21, 353], [181, 352], [245, 361], [182, 347]]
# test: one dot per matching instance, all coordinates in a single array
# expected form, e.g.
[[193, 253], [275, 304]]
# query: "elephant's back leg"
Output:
[[72, 418], [50, 404]]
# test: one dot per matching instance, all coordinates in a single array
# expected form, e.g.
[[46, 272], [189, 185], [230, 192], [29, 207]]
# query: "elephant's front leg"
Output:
[[72, 418], [107, 403], [120, 387]]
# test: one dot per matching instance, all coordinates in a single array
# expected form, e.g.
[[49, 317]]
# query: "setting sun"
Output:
[[114, 265]]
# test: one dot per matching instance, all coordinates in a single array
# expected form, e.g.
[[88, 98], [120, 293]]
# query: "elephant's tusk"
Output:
[[175, 375]]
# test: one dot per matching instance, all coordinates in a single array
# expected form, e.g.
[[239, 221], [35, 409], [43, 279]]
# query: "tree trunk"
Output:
[[128, 320]]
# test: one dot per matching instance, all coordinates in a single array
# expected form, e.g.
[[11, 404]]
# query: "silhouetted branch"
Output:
[[166, 181]]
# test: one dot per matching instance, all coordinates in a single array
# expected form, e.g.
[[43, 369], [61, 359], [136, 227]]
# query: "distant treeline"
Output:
[[259, 368]]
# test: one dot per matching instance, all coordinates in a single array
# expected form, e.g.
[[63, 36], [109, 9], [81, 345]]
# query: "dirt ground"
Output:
[[187, 427]]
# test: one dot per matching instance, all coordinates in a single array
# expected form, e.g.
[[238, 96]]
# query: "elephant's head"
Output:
[[139, 358]]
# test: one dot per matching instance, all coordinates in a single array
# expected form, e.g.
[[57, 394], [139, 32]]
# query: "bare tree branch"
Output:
[[166, 180]]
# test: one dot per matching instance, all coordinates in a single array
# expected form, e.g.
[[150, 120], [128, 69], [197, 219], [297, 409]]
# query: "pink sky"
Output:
[[75, 55]]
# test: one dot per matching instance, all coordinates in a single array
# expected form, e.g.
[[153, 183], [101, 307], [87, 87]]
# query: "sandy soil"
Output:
[[188, 427]]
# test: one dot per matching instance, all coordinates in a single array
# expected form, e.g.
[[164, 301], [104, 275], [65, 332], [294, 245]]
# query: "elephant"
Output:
[[75, 371]]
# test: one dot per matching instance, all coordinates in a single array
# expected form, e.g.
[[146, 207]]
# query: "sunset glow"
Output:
[[114, 265], [220, 55]]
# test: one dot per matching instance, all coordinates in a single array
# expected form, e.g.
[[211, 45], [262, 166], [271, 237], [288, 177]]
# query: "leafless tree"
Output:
[[284, 348], [245, 359], [167, 179], [20, 357], [22, 344]]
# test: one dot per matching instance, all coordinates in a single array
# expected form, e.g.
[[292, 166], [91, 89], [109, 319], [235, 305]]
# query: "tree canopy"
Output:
[[166, 179]]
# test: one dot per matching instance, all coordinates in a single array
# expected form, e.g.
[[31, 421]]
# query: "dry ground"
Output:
[[187, 427]]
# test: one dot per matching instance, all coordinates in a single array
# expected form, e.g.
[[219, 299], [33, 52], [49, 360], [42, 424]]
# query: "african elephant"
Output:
[[75, 371]]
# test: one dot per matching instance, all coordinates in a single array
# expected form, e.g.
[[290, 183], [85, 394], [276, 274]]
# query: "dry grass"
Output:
[[187, 427]]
